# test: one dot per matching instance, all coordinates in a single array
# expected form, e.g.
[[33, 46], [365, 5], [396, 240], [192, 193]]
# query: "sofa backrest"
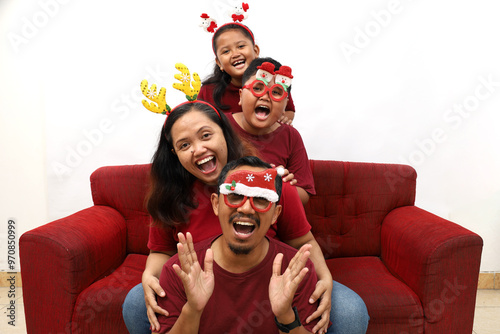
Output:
[[124, 188], [346, 214], [351, 201]]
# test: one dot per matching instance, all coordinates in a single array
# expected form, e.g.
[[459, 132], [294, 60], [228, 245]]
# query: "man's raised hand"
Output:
[[198, 283]]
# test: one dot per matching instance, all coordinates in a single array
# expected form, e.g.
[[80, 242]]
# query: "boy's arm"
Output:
[[304, 195]]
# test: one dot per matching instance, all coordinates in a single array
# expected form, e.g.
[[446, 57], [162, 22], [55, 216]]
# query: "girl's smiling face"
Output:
[[200, 146], [234, 52]]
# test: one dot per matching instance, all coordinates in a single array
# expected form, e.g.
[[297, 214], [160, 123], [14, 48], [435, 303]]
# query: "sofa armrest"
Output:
[[439, 260], [62, 258]]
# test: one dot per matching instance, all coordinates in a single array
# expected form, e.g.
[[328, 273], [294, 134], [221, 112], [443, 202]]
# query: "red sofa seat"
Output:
[[416, 272]]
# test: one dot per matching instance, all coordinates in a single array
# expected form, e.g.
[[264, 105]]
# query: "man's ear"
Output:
[[277, 212], [239, 102], [214, 198]]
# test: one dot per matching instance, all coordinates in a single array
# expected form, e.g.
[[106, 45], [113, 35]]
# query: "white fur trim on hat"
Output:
[[245, 190]]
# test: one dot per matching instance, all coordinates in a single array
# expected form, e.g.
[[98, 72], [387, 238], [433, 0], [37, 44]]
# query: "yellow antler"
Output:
[[159, 105], [188, 87]]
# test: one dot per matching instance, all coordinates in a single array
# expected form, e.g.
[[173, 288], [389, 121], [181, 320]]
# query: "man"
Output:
[[248, 283]]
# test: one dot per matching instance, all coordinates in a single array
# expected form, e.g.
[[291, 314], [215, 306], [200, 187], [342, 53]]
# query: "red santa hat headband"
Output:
[[238, 14], [253, 184]]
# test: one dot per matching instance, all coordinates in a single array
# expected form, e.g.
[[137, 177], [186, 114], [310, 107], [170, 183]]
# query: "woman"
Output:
[[195, 144]]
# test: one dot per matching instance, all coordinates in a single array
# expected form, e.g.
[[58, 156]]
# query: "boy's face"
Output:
[[260, 113]]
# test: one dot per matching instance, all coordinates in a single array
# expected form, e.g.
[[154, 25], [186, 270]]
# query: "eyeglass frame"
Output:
[[267, 89], [234, 206]]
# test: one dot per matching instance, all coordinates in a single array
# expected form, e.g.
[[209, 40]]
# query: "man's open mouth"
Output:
[[243, 228]]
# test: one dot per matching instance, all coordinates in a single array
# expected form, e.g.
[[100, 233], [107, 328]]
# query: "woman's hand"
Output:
[[323, 291], [151, 286]]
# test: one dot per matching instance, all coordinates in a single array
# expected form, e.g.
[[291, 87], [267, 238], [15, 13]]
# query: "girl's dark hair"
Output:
[[219, 78], [170, 197]]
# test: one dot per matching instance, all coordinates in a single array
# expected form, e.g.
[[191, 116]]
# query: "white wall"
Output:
[[414, 82]]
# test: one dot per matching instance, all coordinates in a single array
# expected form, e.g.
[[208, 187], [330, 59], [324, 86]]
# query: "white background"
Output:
[[414, 82]]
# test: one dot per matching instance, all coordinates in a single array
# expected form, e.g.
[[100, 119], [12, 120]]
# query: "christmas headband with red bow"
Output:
[[237, 14], [253, 184]]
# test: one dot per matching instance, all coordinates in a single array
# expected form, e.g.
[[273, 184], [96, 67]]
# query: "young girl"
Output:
[[234, 47]]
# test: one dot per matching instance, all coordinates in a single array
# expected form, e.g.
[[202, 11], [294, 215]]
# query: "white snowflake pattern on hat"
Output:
[[250, 177]]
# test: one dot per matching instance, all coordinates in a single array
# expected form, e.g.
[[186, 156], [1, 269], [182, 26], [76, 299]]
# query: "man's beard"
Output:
[[240, 250]]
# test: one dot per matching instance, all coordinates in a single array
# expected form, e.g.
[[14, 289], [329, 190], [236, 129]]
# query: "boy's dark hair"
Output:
[[252, 162], [252, 68], [219, 78]]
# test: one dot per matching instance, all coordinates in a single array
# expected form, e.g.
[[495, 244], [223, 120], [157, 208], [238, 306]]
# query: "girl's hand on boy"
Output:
[[287, 117], [285, 120]]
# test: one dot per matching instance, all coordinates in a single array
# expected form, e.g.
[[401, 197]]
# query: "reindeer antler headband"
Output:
[[189, 87]]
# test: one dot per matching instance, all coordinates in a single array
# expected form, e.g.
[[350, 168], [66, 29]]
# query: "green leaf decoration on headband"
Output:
[[232, 186], [188, 87], [158, 104]]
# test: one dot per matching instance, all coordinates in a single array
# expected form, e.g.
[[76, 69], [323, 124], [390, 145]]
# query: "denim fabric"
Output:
[[348, 314]]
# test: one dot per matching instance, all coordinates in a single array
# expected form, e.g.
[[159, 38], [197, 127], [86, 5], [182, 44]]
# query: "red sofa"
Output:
[[416, 272]]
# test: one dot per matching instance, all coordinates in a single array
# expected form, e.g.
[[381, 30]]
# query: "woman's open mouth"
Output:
[[207, 165]]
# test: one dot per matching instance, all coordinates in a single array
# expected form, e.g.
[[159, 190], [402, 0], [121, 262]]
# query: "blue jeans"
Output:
[[348, 314]]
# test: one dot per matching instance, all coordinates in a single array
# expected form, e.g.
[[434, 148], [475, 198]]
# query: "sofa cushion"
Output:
[[96, 309], [351, 202], [392, 306], [124, 188]]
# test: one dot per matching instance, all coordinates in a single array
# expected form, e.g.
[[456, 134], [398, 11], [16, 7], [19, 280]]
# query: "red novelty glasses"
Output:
[[259, 88], [259, 204]]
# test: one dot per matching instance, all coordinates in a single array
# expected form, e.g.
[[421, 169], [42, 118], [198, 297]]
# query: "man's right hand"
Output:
[[198, 284]]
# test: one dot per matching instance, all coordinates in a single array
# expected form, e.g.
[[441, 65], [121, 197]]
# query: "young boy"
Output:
[[263, 101]]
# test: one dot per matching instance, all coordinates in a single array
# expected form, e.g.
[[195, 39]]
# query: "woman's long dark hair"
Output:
[[220, 78], [170, 197]]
